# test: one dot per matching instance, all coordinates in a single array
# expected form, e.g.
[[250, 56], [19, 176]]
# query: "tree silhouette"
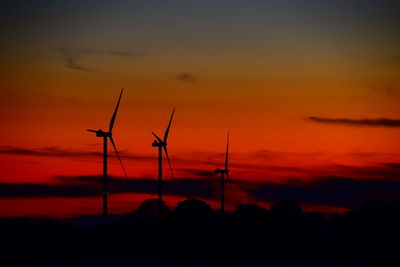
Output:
[[193, 234], [192, 208], [150, 208]]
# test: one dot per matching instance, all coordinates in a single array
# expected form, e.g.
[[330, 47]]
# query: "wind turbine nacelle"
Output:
[[218, 170], [155, 144], [100, 133], [158, 144]]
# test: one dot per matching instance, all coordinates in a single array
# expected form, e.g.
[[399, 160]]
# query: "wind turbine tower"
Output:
[[224, 172], [161, 144], [105, 135]]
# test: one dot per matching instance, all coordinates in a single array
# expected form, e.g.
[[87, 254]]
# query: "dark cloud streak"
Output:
[[70, 60], [198, 172], [186, 77], [90, 186], [380, 122], [45, 191], [58, 152], [108, 52], [71, 55], [324, 191], [45, 151], [329, 191], [387, 90]]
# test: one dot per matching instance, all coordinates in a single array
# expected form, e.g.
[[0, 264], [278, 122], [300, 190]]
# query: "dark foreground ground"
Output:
[[195, 235]]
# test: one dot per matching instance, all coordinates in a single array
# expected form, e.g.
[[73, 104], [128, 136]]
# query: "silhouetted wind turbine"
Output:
[[106, 135], [224, 172], [162, 144]]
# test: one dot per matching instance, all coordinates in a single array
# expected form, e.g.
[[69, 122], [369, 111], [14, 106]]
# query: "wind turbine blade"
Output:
[[227, 178], [158, 138], [226, 156], [115, 112], [169, 125], [116, 152], [89, 130], [169, 162]]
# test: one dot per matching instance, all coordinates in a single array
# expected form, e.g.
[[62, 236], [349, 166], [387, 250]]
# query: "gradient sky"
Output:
[[259, 69]]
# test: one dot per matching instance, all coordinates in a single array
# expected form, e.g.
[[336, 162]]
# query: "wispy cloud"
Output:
[[44, 151], [380, 122], [59, 152], [387, 90], [186, 77], [71, 56], [396, 59], [262, 163], [393, 59], [198, 172], [335, 191], [186, 187], [90, 186], [44, 190], [105, 52]]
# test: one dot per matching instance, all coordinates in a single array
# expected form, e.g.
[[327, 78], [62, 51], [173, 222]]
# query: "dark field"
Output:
[[195, 235]]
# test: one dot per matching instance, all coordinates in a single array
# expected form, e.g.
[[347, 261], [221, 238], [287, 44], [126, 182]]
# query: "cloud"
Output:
[[393, 165], [259, 168], [380, 122], [187, 187], [393, 59], [45, 151], [198, 172], [44, 191], [58, 152], [90, 186], [186, 77], [71, 55], [324, 191], [338, 191], [387, 90], [108, 52], [396, 59], [329, 191], [70, 60]]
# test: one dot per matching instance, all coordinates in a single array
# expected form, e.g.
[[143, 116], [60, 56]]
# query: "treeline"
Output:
[[193, 234]]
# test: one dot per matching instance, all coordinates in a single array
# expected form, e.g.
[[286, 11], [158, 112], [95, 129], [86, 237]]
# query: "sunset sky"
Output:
[[309, 91]]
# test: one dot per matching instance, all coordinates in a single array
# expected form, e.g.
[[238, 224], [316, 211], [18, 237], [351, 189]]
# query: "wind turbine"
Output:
[[224, 172], [108, 135], [162, 145]]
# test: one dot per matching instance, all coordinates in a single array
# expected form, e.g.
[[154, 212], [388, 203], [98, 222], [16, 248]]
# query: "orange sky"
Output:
[[225, 67]]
